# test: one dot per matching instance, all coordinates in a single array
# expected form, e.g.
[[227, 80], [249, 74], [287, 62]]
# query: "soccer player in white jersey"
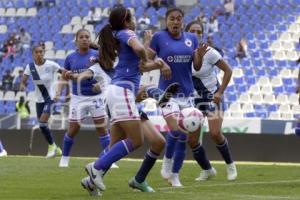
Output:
[[209, 100], [44, 75], [84, 100]]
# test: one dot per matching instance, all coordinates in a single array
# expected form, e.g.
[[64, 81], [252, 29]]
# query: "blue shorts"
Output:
[[44, 107], [206, 105]]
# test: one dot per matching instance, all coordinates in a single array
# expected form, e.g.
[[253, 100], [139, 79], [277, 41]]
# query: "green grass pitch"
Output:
[[38, 178]]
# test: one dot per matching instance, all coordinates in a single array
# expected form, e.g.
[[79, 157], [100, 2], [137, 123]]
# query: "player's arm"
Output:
[[23, 82], [198, 56], [221, 64]]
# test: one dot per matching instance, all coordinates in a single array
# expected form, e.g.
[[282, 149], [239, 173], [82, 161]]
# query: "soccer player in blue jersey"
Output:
[[179, 50], [3, 153], [209, 100], [84, 100], [44, 75], [156, 140], [118, 39]]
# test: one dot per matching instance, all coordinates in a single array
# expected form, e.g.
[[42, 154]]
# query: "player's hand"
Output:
[[201, 51], [56, 97], [96, 88], [217, 97], [67, 75], [147, 37], [166, 71]]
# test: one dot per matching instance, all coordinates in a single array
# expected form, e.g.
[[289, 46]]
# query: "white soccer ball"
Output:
[[191, 119]]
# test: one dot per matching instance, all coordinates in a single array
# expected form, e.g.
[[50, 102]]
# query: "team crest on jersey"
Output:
[[188, 42], [170, 58]]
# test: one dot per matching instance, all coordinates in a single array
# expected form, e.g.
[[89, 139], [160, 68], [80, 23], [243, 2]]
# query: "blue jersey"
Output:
[[178, 54], [127, 72], [78, 63]]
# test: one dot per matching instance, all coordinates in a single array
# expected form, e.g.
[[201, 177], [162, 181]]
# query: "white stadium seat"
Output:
[[76, 20], [60, 54], [10, 12], [296, 109], [244, 98], [49, 45], [49, 54], [235, 107], [267, 89], [257, 98], [66, 29], [284, 108], [21, 12], [3, 29], [276, 82], [269, 99], [274, 115], [9, 96], [294, 99], [254, 89], [285, 73], [76, 28], [287, 116], [31, 12], [248, 108], [281, 99], [262, 81]]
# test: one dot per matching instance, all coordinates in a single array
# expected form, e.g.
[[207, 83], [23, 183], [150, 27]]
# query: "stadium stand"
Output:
[[263, 82]]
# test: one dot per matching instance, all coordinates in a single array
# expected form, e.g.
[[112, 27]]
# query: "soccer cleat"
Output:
[[166, 168], [64, 161], [171, 90], [114, 166], [3, 153], [174, 180], [231, 172], [206, 174], [58, 151], [96, 176], [143, 187], [51, 151], [89, 186]]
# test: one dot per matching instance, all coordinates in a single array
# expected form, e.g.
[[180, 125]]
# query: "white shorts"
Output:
[[84, 106], [121, 104], [175, 105]]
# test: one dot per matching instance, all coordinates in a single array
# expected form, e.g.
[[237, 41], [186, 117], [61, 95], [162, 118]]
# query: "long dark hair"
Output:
[[169, 11], [188, 26], [109, 45]]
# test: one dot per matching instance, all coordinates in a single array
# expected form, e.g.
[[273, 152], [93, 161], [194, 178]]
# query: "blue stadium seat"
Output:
[[250, 114]]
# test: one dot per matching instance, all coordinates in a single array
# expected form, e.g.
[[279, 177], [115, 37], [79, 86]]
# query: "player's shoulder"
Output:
[[126, 32], [212, 52], [161, 33], [50, 62]]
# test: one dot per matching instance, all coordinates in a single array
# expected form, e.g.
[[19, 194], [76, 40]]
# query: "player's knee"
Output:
[[217, 136], [158, 144], [137, 142], [193, 142]]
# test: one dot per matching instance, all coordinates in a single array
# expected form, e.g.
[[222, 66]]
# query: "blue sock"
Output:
[[172, 137], [103, 152], [154, 92], [148, 163], [224, 150], [46, 132], [104, 140], [297, 129], [179, 154], [68, 143], [115, 153], [1, 147], [201, 157]]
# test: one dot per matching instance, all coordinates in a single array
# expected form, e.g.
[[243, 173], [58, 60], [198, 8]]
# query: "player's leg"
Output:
[[297, 129], [157, 143], [215, 120], [125, 116], [43, 114], [171, 113], [198, 150], [3, 153], [76, 115]]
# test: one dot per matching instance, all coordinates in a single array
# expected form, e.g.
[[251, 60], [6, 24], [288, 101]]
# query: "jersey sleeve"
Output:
[[126, 35], [56, 66], [213, 56], [67, 65], [195, 42], [27, 70], [154, 44]]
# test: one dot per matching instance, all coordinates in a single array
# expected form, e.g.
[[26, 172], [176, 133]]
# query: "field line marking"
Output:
[[234, 184], [186, 161]]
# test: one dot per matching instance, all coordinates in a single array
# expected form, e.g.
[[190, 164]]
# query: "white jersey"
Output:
[[47, 77], [101, 77], [207, 74]]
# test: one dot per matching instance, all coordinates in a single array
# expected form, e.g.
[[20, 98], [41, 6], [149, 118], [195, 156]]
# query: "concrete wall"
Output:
[[245, 147]]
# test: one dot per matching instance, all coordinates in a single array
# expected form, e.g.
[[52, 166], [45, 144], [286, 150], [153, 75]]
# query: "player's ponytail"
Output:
[[109, 46]]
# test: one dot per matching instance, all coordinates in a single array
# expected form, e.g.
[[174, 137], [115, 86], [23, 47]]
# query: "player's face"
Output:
[[83, 40], [38, 54], [196, 28], [175, 22]]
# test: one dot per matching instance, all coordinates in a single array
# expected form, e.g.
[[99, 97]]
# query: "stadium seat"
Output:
[[281, 99], [254, 89], [20, 94], [287, 116], [266, 89], [274, 115], [284, 108], [256, 98], [269, 99], [9, 96]]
